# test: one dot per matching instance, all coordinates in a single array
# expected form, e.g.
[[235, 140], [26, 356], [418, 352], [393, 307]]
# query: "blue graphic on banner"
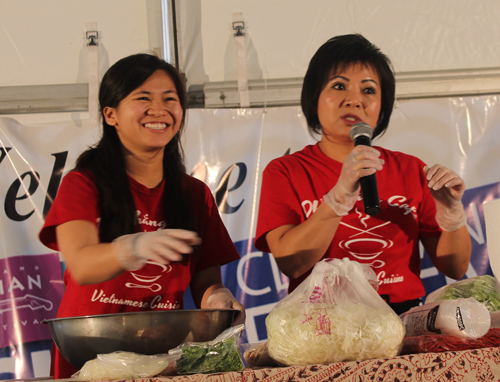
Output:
[[31, 290], [474, 200], [259, 285], [27, 354], [479, 263]]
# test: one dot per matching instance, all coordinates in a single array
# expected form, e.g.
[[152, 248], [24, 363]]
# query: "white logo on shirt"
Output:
[[309, 207], [396, 199], [149, 280], [377, 241], [146, 282], [154, 303], [153, 223]]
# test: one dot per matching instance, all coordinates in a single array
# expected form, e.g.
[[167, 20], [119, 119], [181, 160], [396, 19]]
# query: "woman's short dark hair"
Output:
[[105, 160], [333, 57]]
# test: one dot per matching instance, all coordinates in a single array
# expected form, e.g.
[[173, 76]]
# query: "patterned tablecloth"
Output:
[[469, 365]]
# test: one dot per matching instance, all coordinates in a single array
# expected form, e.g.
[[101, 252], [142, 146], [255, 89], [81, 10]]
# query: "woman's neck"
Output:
[[146, 169], [335, 150]]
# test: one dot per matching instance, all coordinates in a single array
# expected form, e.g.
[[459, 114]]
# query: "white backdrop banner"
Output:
[[228, 149]]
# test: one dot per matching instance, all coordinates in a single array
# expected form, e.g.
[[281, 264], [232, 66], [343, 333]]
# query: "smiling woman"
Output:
[[149, 117], [134, 229], [349, 80]]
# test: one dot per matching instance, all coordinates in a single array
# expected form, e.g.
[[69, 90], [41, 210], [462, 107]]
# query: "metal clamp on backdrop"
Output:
[[93, 72], [241, 58]]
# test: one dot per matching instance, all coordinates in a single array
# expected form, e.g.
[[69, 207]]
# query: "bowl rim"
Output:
[[119, 314]]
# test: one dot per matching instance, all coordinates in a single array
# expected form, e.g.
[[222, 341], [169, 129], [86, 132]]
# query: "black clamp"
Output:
[[238, 26], [93, 36]]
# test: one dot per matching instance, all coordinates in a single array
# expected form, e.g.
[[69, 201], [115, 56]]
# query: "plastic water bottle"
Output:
[[465, 318]]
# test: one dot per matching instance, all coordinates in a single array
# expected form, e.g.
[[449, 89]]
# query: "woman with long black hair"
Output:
[[134, 229]]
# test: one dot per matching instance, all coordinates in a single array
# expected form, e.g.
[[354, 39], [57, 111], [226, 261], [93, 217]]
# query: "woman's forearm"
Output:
[[93, 264], [297, 249], [453, 253], [450, 253], [89, 261]]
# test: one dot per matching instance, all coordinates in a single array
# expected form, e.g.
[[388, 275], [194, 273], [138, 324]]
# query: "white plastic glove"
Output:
[[222, 298], [361, 161], [447, 189], [163, 246]]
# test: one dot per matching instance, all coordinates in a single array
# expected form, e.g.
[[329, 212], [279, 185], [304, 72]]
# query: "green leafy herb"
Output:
[[482, 288], [219, 357]]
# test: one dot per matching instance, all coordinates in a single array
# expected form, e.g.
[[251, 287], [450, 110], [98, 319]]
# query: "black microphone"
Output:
[[361, 133]]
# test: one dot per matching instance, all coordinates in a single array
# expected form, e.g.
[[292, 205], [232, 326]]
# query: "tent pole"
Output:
[[169, 27]]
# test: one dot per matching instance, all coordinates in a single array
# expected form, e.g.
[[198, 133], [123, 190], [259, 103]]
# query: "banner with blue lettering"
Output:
[[228, 149]]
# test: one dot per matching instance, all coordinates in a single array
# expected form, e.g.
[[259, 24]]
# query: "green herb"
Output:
[[482, 288], [222, 356]]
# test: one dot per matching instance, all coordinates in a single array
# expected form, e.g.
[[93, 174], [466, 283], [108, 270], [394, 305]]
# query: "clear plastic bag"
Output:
[[464, 317], [257, 355], [334, 315], [495, 319], [483, 288], [220, 355], [126, 365]]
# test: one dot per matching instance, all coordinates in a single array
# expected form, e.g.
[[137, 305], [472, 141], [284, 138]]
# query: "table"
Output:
[[468, 365]]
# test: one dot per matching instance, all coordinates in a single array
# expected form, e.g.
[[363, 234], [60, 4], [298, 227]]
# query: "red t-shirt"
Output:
[[153, 287], [293, 187]]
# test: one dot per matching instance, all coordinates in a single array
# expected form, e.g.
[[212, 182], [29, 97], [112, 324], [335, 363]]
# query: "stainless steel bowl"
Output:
[[80, 339]]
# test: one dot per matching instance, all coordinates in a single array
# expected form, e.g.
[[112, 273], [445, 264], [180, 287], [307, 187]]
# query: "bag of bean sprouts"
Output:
[[334, 315]]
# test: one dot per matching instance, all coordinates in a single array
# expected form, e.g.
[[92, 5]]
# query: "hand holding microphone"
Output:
[[361, 163], [361, 133]]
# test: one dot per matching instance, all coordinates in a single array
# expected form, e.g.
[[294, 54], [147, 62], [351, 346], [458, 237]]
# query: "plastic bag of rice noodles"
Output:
[[334, 315], [126, 365]]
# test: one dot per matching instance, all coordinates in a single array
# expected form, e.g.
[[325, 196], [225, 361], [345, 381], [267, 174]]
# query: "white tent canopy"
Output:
[[437, 48]]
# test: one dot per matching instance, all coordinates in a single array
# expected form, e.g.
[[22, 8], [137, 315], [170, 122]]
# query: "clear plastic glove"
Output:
[[447, 189], [163, 246], [362, 161], [222, 298]]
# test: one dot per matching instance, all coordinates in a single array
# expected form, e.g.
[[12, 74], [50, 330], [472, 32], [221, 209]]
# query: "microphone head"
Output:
[[360, 128]]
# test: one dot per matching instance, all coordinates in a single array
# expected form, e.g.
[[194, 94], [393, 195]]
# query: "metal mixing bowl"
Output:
[[80, 339]]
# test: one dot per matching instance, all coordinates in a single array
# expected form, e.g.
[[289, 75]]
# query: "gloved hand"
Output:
[[361, 161], [222, 298], [163, 246], [447, 189]]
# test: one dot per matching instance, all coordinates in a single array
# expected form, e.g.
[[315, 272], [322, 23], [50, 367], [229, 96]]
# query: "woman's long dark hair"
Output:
[[105, 160]]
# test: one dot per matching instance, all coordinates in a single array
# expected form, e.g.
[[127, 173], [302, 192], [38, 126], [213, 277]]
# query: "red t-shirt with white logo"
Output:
[[153, 287], [293, 187]]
